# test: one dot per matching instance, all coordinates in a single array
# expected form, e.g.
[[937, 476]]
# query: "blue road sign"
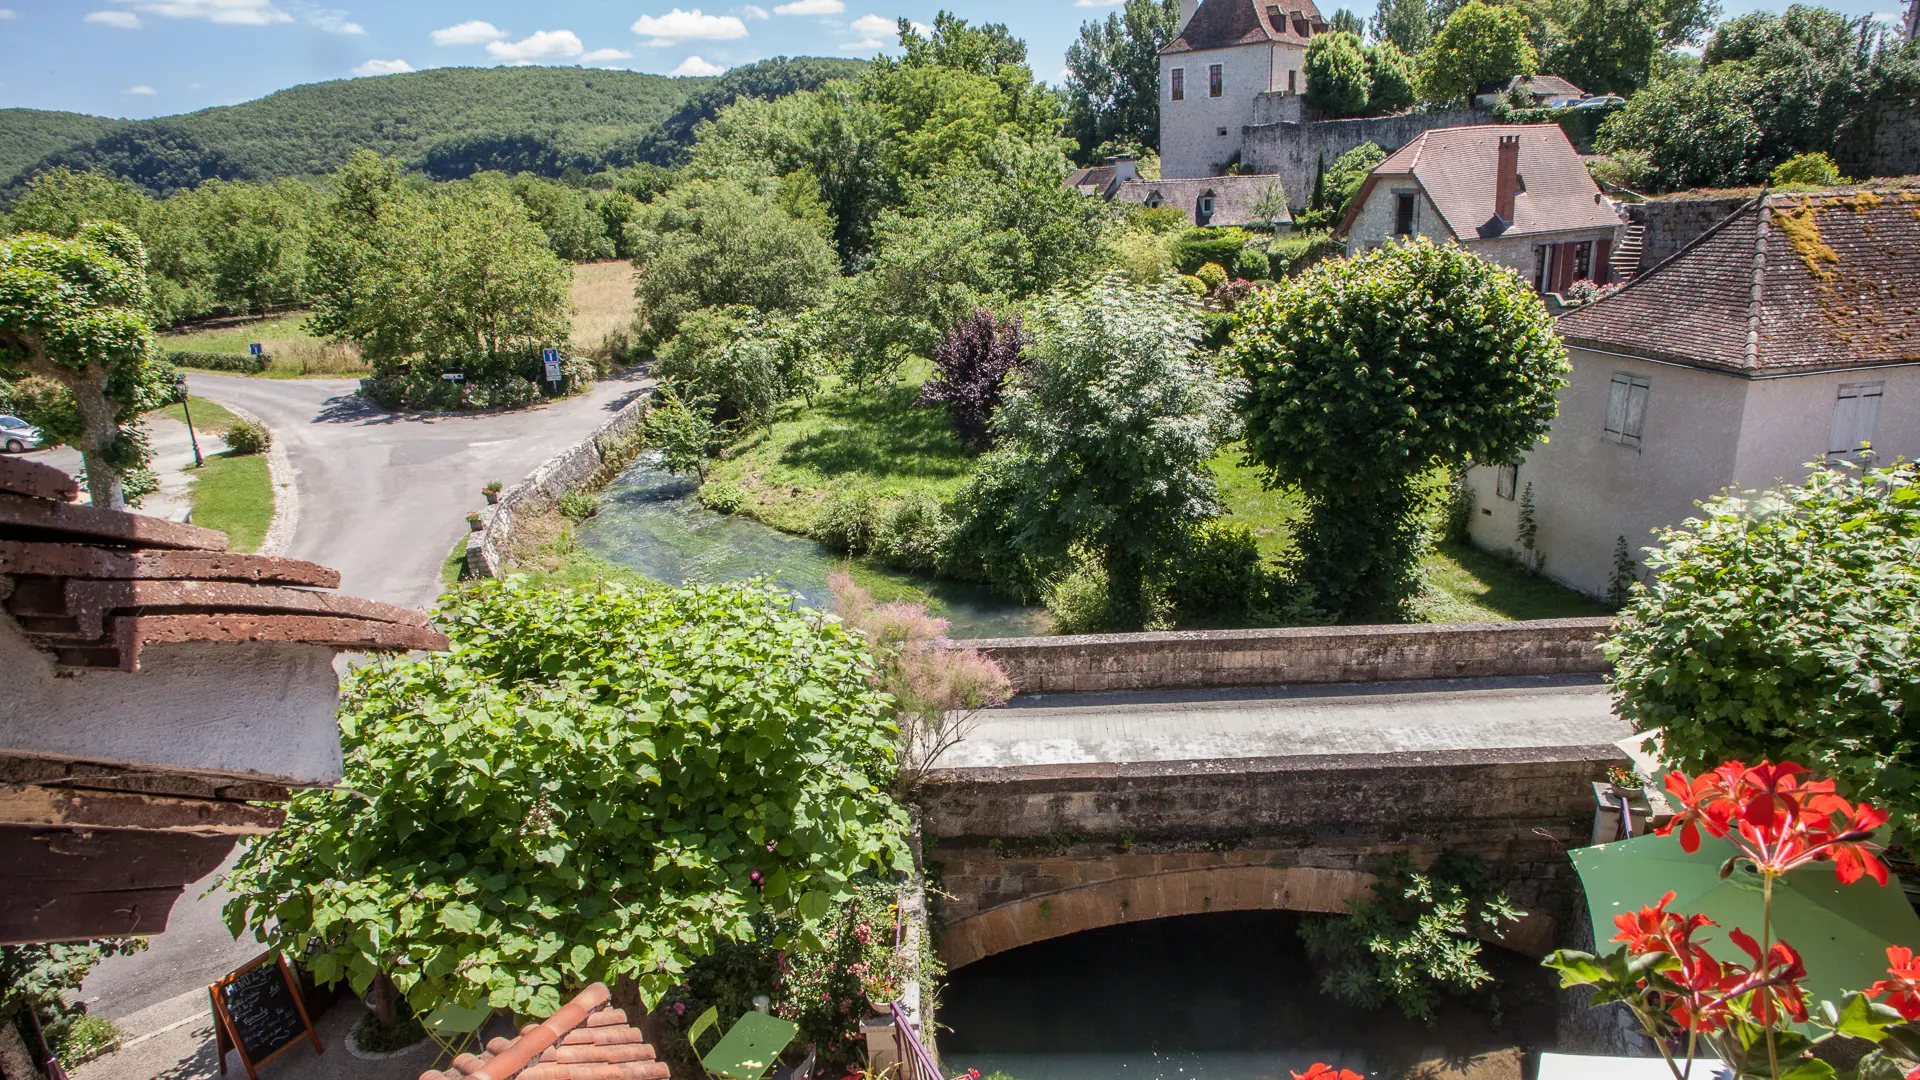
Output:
[[254, 349]]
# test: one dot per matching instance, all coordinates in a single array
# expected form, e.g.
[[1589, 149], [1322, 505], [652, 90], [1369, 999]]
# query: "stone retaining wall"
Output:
[[1295, 151], [564, 472], [1314, 654]]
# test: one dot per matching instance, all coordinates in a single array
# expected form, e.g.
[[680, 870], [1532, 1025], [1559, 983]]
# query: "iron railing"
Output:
[[916, 1061]]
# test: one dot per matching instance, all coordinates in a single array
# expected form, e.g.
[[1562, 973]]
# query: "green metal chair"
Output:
[[747, 1050], [454, 1028]]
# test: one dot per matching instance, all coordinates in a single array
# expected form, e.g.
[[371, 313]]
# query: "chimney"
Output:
[[1506, 182], [1124, 168], [1187, 8]]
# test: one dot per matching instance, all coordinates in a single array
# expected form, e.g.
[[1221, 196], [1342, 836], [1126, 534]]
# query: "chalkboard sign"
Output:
[[257, 1010]]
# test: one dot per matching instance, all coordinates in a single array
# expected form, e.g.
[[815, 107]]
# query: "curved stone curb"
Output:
[[286, 490], [353, 1048]]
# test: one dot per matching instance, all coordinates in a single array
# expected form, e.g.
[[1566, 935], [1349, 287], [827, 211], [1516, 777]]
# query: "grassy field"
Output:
[[207, 415], [234, 494], [603, 309], [880, 440]]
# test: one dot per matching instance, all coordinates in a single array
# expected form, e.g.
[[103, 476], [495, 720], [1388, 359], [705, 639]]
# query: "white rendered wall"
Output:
[[1190, 141]]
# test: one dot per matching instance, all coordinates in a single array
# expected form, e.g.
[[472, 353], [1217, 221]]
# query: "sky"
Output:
[[141, 58]]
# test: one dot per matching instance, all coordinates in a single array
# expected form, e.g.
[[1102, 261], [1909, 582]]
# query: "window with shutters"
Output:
[[1178, 84], [1582, 261], [1627, 408], [1215, 81], [1507, 481], [1855, 412]]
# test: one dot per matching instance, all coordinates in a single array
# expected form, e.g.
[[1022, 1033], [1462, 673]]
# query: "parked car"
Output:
[[17, 435], [1602, 101]]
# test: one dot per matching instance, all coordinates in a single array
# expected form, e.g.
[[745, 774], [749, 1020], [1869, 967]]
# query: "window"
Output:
[[1626, 408], [1275, 19], [1179, 84], [1542, 259], [1222, 132], [1293, 78], [1583, 260], [1203, 210], [1507, 481], [1214, 80], [1854, 414], [1403, 213]]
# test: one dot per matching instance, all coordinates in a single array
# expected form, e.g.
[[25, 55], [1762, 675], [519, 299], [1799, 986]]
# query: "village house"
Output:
[[1219, 73], [1252, 201], [1514, 194], [1537, 91], [1786, 334], [160, 692]]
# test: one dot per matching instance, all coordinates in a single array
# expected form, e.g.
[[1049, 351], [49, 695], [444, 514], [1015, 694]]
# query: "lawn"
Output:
[[233, 494], [880, 440], [207, 415]]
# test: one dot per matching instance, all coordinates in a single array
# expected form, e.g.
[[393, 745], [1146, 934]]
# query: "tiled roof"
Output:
[[1789, 282], [585, 1040], [1233, 196], [1095, 177], [1217, 24], [1458, 168], [93, 586], [1543, 86]]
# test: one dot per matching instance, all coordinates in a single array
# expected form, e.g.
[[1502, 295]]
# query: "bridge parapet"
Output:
[[1194, 659]]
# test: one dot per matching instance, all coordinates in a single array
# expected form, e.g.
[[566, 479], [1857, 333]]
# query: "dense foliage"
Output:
[[27, 135], [46, 979], [74, 313], [1337, 80], [764, 79], [593, 784], [1104, 445], [1113, 77], [974, 360], [1480, 43], [1414, 942], [1406, 24], [1781, 625], [1365, 373]]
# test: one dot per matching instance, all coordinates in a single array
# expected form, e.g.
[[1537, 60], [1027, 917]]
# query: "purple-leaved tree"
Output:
[[974, 358]]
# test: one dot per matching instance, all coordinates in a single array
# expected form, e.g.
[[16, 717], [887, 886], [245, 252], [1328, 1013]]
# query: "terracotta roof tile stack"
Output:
[[1788, 283], [1219, 23], [585, 1040], [93, 586]]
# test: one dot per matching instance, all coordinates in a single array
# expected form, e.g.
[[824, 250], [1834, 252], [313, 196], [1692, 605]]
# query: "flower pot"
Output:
[[492, 497], [476, 523], [1628, 793]]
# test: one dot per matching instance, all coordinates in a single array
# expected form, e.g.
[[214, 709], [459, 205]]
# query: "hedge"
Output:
[[214, 361]]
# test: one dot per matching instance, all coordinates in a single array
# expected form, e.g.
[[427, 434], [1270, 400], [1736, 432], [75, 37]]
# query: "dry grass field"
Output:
[[603, 306]]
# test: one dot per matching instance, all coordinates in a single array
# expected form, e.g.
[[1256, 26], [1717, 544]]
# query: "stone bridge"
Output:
[[1139, 776]]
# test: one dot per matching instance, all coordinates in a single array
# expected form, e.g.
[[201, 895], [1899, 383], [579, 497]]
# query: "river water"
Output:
[[650, 521], [1226, 996]]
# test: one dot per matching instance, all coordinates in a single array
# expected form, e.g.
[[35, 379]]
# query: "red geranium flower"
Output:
[[1903, 988], [1777, 819], [1320, 1070]]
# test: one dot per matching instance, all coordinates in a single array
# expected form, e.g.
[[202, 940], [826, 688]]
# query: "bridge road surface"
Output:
[[383, 497], [1292, 721]]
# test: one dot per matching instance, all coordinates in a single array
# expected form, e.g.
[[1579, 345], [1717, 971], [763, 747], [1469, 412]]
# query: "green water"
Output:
[[650, 521]]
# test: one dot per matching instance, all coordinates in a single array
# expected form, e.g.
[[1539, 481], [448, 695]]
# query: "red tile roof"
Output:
[[1458, 169], [1788, 282], [1217, 24], [93, 586], [585, 1040]]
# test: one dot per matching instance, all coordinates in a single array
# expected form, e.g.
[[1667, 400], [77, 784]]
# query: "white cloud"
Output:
[[1891, 18], [477, 32], [232, 12], [383, 67], [6, 13], [140, 91], [539, 45], [811, 7], [124, 20], [693, 65], [335, 22], [601, 56], [920, 29], [196, 86], [754, 11], [677, 26], [875, 32], [1098, 3]]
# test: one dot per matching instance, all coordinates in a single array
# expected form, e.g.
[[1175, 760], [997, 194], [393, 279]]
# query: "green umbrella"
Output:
[[1841, 931]]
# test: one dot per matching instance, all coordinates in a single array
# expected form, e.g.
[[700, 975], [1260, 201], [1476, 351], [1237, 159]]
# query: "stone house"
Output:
[[1229, 59], [1542, 92], [1102, 181], [158, 691], [1252, 201], [1786, 334], [1514, 194]]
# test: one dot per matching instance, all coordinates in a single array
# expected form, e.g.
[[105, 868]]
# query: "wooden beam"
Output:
[[106, 776], [32, 804], [86, 915], [63, 884]]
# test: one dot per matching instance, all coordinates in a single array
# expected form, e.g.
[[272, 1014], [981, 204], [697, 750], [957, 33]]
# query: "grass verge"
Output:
[[207, 415], [454, 566], [234, 495]]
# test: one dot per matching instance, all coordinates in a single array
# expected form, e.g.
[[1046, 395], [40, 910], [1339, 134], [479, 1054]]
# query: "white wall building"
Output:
[[1212, 75]]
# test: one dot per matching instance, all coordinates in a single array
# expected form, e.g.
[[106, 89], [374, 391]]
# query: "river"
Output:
[[650, 521]]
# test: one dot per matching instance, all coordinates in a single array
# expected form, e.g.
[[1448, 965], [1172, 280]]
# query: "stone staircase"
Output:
[[1625, 257]]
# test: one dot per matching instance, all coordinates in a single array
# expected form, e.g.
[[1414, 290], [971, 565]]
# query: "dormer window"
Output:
[[1301, 27], [1276, 19]]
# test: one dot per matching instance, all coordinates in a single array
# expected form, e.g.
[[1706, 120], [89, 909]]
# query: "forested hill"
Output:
[[448, 122], [27, 135]]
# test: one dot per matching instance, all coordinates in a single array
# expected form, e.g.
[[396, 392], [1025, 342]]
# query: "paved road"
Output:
[[383, 498], [1283, 721]]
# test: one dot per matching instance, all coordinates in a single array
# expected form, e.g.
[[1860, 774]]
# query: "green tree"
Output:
[[1406, 23], [1337, 78], [1610, 46], [369, 202], [58, 201], [728, 356], [75, 312], [1365, 374], [1105, 441], [1349, 172], [1346, 22], [710, 243], [1480, 43], [46, 979], [684, 432], [1782, 625], [1815, 169], [1390, 79], [574, 230], [1113, 75], [595, 784], [233, 248]]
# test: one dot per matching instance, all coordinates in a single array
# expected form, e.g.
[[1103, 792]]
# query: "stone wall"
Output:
[[1034, 852], [1672, 224], [487, 549], [1888, 144], [1296, 150], [1314, 654]]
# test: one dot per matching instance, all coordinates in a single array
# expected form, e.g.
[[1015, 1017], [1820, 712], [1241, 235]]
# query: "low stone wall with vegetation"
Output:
[[1187, 659], [611, 444]]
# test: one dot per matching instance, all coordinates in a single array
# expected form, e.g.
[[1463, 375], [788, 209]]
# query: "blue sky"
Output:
[[140, 58]]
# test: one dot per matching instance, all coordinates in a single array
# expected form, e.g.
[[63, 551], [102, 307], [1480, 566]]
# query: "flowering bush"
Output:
[[1586, 292], [1780, 821], [1320, 1070]]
